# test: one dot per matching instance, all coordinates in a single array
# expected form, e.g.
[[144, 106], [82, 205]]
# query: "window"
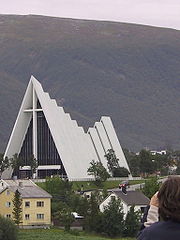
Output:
[[8, 215], [27, 204], [8, 204], [27, 216], [40, 204], [40, 216]]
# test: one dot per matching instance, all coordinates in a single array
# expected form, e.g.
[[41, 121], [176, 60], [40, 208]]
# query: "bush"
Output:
[[8, 230], [74, 232], [120, 172]]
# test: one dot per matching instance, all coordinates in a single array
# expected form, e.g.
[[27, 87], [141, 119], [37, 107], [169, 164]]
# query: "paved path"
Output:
[[137, 186]]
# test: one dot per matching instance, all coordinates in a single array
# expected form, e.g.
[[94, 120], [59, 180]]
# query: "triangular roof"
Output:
[[75, 147]]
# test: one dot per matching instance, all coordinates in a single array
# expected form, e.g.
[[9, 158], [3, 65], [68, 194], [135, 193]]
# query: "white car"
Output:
[[76, 215]]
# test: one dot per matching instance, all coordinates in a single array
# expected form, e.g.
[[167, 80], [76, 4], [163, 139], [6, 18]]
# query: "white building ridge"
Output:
[[76, 148]]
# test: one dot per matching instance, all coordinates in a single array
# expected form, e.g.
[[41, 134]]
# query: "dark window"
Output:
[[47, 152], [26, 152], [40, 204], [27, 216], [27, 204]]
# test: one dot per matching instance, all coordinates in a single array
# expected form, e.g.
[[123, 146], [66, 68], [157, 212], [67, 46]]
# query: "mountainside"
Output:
[[129, 72]]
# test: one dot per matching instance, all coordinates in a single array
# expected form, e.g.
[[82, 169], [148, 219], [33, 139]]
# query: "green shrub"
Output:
[[120, 172], [8, 230], [74, 232]]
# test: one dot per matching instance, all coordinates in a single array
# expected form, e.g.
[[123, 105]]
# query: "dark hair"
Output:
[[169, 199]]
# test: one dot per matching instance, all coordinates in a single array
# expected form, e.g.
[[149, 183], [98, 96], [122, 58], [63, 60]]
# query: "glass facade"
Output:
[[47, 153], [27, 148]]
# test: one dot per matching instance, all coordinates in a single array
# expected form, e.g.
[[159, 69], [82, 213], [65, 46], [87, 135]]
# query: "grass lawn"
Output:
[[57, 234], [107, 184], [91, 185]]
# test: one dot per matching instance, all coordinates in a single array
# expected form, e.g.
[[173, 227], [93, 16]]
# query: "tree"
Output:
[[104, 193], [151, 186], [16, 162], [113, 218], [112, 160], [61, 190], [113, 165], [132, 221], [98, 171], [66, 218], [33, 163], [17, 208], [82, 206], [8, 230], [4, 163], [146, 164], [134, 164], [163, 162], [58, 187], [92, 221]]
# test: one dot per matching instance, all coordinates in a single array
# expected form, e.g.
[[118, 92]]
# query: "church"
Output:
[[61, 147]]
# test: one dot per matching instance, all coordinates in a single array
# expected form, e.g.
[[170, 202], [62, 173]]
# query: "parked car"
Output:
[[77, 216]]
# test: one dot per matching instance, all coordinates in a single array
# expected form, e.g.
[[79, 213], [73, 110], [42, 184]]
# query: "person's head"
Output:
[[169, 199]]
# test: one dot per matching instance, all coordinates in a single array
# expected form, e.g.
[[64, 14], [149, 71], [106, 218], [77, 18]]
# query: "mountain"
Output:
[[92, 68]]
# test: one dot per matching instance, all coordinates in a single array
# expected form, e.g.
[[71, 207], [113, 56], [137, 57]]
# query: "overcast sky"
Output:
[[165, 13]]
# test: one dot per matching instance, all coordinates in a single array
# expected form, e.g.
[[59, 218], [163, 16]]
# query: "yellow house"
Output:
[[36, 203]]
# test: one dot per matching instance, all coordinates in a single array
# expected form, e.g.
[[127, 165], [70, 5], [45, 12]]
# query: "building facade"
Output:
[[36, 203], [61, 147]]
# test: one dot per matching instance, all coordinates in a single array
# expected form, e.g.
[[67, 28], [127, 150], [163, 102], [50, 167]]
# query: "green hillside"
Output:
[[129, 72]]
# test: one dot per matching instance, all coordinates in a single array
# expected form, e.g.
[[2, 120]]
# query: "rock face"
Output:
[[126, 71]]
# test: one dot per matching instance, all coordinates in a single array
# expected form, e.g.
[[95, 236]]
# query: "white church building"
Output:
[[43, 130]]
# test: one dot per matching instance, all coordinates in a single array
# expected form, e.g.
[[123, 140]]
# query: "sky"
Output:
[[163, 13]]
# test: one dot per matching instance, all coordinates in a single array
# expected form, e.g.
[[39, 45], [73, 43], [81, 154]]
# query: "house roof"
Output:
[[27, 189], [132, 197]]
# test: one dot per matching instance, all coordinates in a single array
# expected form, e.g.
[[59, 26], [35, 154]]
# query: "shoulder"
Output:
[[161, 230], [145, 234]]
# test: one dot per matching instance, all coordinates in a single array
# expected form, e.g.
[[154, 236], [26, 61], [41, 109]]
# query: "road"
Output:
[[137, 186]]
